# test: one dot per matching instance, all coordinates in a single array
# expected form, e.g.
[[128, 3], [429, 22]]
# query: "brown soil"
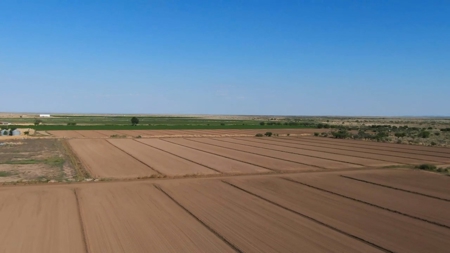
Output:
[[383, 228], [347, 159], [140, 218], [393, 149], [39, 220], [262, 161], [390, 157], [254, 225], [416, 206], [215, 162], [224, 195], [306, 160], [104, 160], [165, 163]]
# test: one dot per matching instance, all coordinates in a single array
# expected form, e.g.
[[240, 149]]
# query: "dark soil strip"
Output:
[[311, 165], [199, 220], [327, 145], [367, 203], [80, 216], [334, 160], [155, 170], [327, 152], [310, 218], [231, 158], [189, 160], [395, 188], [362, 145]]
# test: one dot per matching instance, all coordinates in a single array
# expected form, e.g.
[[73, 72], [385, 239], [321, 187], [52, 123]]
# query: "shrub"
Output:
[[288, 134], [341, 134], [400, 135], [437, 133], [72, 124], [268, 134], [433, 143], [424, 134], [259, 135], [262, 123], [316, 134], [426, 167]]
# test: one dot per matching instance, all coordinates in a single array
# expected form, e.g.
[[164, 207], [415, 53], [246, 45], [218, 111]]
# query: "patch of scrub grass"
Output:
[[55, 161], [5, 173], [26, 161]]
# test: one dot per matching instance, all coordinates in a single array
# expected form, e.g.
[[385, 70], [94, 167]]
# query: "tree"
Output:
[[134, 121], [37, 122], [262, 123]]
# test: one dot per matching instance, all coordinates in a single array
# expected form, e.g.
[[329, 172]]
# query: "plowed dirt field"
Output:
[[232, 194]]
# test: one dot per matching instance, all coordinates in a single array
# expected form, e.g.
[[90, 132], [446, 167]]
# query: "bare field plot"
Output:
[[305, 160], [104, 160], [92, 134], [66, 134], [254, 225], [327, 156], [385, 229], [408, 204], [217, 163], [421, 182], [414, 149], [140, 218], [350, 151], [40, 220], [419, 156], [162, 162], [262, 161]]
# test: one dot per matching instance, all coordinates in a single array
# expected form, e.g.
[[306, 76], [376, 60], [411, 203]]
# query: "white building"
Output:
[[44, 115]]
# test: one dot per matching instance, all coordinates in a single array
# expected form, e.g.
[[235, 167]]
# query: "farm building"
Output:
[[4, 132], [15, 132], [5, 123], [44, 115]]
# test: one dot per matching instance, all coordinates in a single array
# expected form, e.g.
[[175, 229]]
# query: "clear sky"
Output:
[[317, 57]]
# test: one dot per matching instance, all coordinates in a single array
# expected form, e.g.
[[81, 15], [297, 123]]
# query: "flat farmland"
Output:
[[399, 148], [347, 151], [311, 153], [419, 182], [104, 160], [411, 205], [354, 218], [163, 162], [300, 159], [232, 193], [419, 156], [254, 225], [140, 218], [40, 220], [254, 159], [214, 162]]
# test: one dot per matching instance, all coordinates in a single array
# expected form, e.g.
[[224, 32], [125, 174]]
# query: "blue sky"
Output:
[[317, 57]]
